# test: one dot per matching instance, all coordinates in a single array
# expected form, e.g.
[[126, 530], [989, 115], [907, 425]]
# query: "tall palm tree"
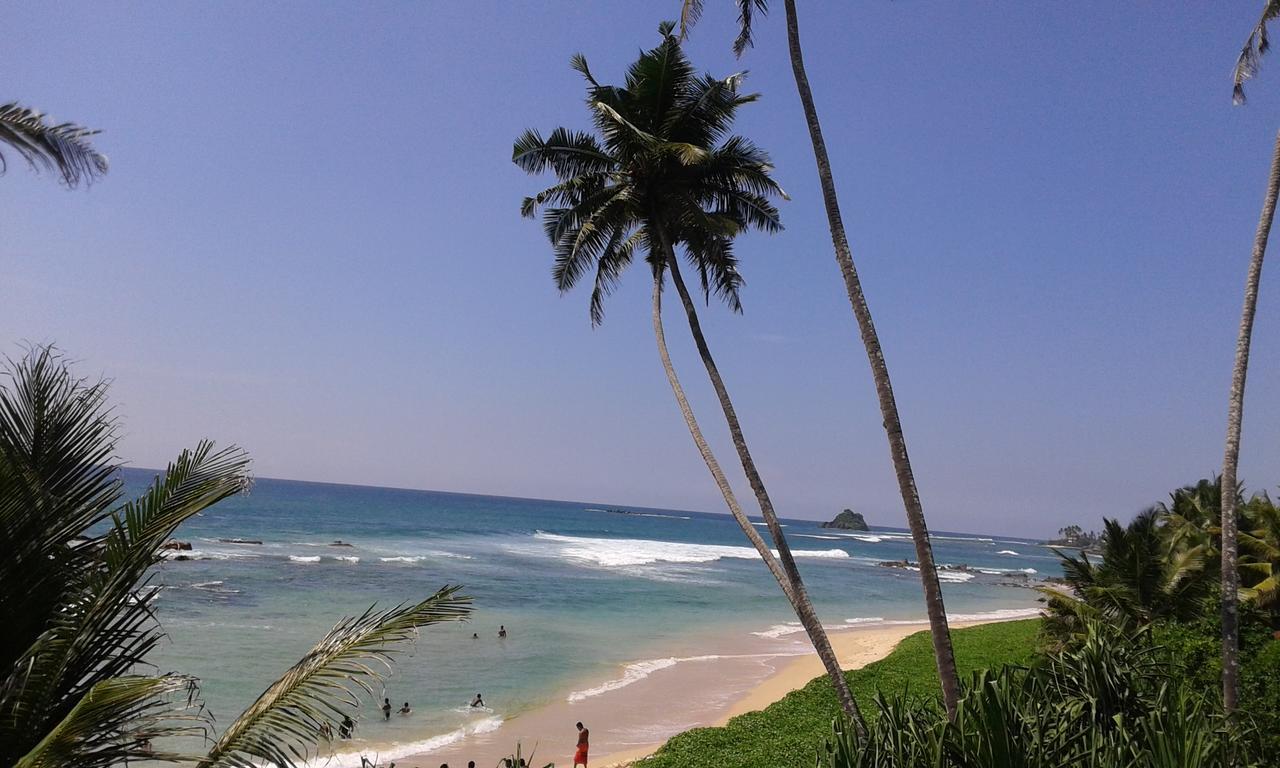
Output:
[[76, 592], [934, 607], [1247, 65], [64, 146], [663, 175]]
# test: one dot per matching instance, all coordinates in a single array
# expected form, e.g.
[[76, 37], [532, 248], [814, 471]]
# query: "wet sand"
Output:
[[633, 720]]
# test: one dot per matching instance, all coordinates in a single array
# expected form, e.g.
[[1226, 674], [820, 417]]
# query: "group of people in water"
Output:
[[346, 728]]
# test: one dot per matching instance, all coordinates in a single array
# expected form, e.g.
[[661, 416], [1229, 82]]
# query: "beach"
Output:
[[631, 721], [641, 624]]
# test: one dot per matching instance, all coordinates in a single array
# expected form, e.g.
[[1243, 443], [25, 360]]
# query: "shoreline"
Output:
[[648, 701]]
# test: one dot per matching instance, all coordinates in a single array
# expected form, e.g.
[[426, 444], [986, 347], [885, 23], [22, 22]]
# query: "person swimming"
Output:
[[475, 635], [478, 701], [405, 709]]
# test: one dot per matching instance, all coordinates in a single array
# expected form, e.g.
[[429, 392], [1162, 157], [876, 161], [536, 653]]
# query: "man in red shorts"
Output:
[[580, 756]]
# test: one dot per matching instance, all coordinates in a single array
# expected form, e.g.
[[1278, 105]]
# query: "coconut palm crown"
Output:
[[660, 167]]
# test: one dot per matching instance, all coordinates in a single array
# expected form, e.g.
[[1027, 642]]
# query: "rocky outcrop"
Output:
[[848, 520]]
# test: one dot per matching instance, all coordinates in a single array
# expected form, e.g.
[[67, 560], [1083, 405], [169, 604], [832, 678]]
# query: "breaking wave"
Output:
[[632, 552]]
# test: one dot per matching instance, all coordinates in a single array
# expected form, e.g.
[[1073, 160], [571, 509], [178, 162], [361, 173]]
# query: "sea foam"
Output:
[[639, 670], [399, 751], [632, 552]]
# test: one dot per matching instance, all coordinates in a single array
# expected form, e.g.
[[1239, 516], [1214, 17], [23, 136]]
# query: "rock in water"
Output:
[[848, 520]]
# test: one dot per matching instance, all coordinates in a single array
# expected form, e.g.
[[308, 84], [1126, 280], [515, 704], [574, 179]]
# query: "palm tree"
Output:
[[76, 592], [939, 631], [64, 146], [663, 175], [1260, 562], [1246, 66], [1139, 579]]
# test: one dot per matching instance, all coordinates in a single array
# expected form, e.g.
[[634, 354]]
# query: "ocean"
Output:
[[593, 600]]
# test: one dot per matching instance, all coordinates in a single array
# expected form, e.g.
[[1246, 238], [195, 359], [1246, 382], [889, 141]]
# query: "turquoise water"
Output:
[[581, 591]]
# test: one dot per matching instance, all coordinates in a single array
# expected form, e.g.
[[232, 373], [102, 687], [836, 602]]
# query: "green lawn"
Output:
[[787, 733]]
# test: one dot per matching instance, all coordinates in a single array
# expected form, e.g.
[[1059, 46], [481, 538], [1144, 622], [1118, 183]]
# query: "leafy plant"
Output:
[[1107, 704], [75, 591]]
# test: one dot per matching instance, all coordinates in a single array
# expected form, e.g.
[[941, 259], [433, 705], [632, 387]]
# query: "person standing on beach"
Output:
[[580, 756], [386, 709]]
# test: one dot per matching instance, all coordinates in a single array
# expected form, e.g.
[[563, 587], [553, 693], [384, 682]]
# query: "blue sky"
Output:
[[309, 244]]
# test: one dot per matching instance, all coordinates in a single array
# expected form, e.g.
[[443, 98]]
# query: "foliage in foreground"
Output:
[[1163, 566], [789, 732], [76, 596], [1113, 702]]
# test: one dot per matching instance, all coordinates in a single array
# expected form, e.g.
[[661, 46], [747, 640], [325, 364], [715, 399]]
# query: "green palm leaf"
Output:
[[281, 727], [116, 721]]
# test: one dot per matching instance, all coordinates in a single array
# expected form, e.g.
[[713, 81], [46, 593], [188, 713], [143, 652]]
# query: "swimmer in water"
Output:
[[478, 702], [405, 709]]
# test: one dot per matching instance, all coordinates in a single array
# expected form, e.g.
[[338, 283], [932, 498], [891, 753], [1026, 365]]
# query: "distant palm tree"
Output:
[[1247, 65], [76, 593], [663, 175], [934, 607], [64, 146]]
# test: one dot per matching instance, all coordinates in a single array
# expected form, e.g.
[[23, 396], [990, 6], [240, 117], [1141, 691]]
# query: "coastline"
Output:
[[633, 714]]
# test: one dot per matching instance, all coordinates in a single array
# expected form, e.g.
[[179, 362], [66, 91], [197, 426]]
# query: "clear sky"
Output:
[[309, 244]]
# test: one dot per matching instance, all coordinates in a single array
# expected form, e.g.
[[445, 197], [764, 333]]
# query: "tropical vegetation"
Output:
[[77, 582], [662, 176], [1113, 701]]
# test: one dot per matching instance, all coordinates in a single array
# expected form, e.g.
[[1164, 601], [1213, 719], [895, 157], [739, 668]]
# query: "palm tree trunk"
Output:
[[783, 566], [941, 635], [1231, 458]]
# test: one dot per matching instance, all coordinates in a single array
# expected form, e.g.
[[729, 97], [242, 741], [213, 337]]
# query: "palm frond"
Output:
[[104, 627], [615, 259], [690, 13], [566, 153], [64, 146], [745, 40], [282, 726], [1255, 47], [117, 721], [57, 481], [578, 63]]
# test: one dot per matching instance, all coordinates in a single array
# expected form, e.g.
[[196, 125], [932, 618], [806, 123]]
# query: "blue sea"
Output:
[[582, 590]]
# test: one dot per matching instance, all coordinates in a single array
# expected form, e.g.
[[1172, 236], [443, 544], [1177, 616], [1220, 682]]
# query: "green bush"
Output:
[[1111, 703], [1195, 650]]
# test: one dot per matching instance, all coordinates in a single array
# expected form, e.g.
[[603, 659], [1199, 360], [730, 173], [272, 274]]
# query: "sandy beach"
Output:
[[629, 719]]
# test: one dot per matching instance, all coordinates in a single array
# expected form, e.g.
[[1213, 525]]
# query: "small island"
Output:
[[848, 520], [1075, 537]]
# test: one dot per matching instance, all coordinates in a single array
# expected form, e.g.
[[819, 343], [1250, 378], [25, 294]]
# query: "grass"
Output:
[[788, 732]]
